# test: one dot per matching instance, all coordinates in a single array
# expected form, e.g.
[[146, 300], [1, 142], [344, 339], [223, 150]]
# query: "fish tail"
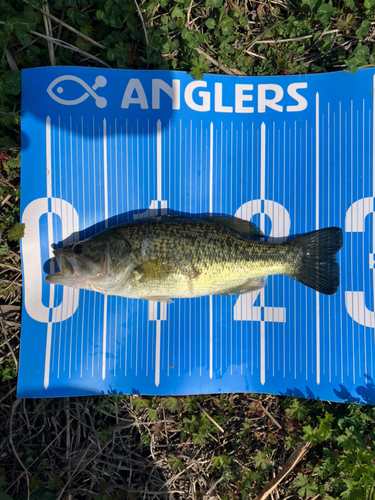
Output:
[[318, 267]]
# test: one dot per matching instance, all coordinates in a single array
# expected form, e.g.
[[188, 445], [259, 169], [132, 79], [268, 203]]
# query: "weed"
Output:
[[7, 368], [172, 404], [261, 460], [176, 464], [220, 461]]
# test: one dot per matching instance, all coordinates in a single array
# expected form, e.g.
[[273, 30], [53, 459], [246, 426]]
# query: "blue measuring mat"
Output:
[[290, 153]]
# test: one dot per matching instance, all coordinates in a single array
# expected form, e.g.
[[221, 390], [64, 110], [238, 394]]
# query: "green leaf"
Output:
[[141, 403], [5, 496], [363, 50], [353, 490], [111, 55], [298, 410], [220, 461], [320, 433], [311, 5], [304, 487], [54, 482], [216, 4], [191, 425], [369, 4], [42, 494], [10, 82], [309, 434], [9, 120], [61, 4], [173, 404], [193, 43], [153, 414], [176, 12], [196, 70], [210, 23], [325, 12], [31, 15], [325, 425], [261, 460], [100, 15], [315, 37], [350, 440], [190, 404], [16, 232], [6, 142], [356, 62], [81, 18], [226, 25], [4, 249], [131, 23], [186, 34], [175, 464], [199, 439], [171, 23], [83, 44], [14, 23], [326, 43], [23, 37]]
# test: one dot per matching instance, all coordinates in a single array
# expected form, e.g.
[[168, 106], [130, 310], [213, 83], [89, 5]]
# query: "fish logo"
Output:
[[100, 81]]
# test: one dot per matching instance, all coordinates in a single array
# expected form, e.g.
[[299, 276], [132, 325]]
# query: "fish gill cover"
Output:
[[291, 154]]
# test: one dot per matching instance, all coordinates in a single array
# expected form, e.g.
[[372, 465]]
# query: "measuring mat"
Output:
[[290, 153]]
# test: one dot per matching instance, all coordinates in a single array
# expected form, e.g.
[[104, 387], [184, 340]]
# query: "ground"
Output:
[[125, 447]]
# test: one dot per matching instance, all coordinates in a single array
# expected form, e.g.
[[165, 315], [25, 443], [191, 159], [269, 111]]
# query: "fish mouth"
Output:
[[68, 268]]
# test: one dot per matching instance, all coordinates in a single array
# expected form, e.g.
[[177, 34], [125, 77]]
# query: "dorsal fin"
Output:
[[244, 227]]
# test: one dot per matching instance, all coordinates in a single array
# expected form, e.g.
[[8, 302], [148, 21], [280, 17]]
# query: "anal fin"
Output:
[[166, 300], [250, 285]]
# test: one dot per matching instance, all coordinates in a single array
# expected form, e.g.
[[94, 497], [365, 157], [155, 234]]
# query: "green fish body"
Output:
[[179, 257]]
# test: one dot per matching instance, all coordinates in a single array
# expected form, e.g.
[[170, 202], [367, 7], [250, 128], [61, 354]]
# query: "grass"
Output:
[[126, 447]]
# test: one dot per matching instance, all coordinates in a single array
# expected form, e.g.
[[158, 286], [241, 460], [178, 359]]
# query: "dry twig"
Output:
[[143, 23], [292, 461], [223, 67], [68, 46], [210, 418], [48, 28], [62, 23]]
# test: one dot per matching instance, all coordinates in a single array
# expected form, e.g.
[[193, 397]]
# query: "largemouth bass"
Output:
[[179, 257]]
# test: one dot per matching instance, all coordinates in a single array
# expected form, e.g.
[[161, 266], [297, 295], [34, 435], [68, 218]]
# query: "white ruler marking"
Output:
[[317, 227], [158, 159], [157, 352], [105, 165], [262, 227], [47, 361], [153, 306], [211, 346]]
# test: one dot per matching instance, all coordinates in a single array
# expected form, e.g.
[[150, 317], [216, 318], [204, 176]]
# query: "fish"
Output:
[[171, 257]]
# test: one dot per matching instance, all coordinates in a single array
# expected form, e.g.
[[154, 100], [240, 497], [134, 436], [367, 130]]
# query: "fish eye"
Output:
[[78, 248]]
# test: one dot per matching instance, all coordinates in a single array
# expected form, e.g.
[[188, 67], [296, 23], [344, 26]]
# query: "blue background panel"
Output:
[[292, 154]]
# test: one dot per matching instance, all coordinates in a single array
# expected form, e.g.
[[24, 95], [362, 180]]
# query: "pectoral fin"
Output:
[[251, 285], [163, 269]]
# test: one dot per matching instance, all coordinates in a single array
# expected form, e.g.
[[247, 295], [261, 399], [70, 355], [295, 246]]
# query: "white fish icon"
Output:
[[100, 81]]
